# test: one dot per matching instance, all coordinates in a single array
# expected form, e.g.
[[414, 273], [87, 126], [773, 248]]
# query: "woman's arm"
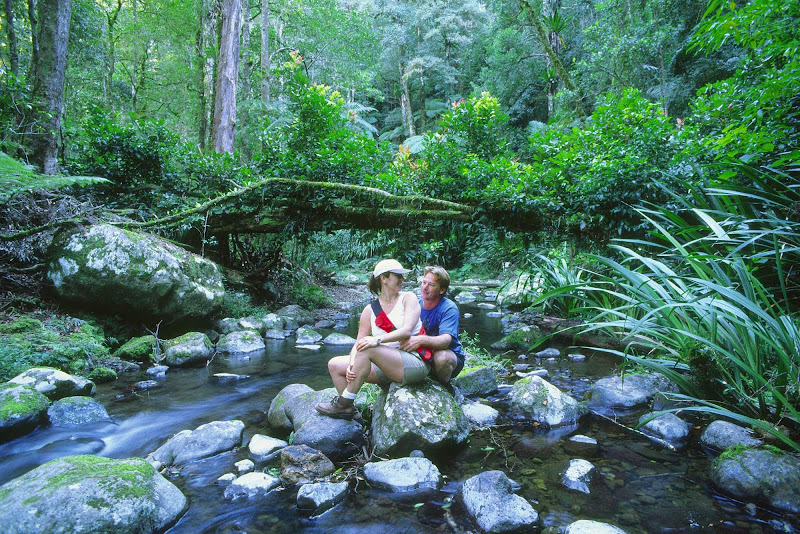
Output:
[[363, 339], [410, 318]]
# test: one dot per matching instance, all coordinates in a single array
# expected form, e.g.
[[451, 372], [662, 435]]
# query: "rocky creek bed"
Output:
[[204, 447]]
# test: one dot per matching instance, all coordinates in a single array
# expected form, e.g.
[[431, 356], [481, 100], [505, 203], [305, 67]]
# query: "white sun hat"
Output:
[[389, 266]]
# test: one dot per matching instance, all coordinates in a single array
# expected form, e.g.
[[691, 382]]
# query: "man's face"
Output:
[[430, 287]]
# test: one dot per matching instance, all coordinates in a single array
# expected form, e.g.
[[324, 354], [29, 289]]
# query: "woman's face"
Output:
[[393, 281]]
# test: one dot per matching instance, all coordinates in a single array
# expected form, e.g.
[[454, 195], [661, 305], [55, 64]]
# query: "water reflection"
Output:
[[640, 487]]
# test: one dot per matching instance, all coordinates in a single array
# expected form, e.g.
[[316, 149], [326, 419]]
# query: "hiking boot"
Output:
[[339, 408]]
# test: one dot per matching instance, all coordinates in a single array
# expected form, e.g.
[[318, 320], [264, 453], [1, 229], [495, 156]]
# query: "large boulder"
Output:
[[521, 339], [21, 410], [300, 464], [422, 416], [480, 380], [301, 408], [251, 485], [537, 400], [131, 273], [192, 348], [53, 383], [314, 499], [578, 474], [202, 442], [240, 342], [668, 427], [585, 526], [140, 349], [763, 476], [338, 439], [625, 393], [76, 411], [79, 494], [295, 314], [403, 475], [489, 499], [720, 435], [276, 415]]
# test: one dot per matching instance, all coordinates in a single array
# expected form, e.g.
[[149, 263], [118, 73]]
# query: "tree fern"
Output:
[[16, 178]]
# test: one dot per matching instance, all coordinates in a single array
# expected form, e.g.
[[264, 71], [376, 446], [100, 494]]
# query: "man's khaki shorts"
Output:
[[414, 369]]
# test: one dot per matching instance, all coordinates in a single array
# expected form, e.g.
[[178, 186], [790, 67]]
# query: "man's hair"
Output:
[[442, 277]]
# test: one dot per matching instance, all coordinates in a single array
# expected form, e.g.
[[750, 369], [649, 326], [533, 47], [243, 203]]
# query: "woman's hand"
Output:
[[367, 342]]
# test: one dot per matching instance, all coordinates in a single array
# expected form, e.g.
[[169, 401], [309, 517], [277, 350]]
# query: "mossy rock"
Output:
[[101, 375], [81, 494], [523, 339], [139, 349], [21, 410], [22, 324]]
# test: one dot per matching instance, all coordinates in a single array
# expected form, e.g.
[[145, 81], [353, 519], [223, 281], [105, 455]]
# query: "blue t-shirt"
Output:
[[443, 319]]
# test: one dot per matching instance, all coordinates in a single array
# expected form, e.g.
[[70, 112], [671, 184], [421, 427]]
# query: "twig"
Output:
[[660, 441]]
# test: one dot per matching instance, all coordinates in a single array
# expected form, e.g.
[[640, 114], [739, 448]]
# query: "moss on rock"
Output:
[[137, 349]]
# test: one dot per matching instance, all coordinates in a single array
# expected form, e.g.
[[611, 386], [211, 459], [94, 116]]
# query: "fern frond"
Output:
[[16, 178]]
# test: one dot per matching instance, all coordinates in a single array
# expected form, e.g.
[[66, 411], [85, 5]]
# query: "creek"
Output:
[[643, 487]]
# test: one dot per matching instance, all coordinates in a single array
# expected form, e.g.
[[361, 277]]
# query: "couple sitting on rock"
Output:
[[400, 339]]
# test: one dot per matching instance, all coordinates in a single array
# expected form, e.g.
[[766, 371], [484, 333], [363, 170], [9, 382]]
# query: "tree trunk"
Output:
[[246, 63], [541, 33], [405, 104], [551, 8], [48, 83], [108, 83], [34, 39], [265, 66], [224, 123], [13, 55], [200, 58]]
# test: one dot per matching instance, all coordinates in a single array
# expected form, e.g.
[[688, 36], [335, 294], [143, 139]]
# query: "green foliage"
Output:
[[16, 178], [693, 297], [600, 172], [309, 296], [15, 103], [556, 281], [240, 304], [475, 126], [316, 137], [129, 155], [479, 356], [72, 345]]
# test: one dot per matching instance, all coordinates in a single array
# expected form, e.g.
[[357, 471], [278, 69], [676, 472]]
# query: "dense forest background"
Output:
[[631, 164]]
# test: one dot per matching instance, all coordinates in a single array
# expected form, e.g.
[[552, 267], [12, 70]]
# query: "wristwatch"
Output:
[[379, 340]]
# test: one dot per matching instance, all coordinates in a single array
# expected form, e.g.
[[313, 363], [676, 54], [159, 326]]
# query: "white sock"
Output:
[[347, 395]]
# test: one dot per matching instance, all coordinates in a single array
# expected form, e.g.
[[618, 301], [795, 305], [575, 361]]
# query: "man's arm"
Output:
[[440, 342], [448, 328]]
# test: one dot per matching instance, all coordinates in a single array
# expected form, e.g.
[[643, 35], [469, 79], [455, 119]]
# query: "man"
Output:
[[440, 319]]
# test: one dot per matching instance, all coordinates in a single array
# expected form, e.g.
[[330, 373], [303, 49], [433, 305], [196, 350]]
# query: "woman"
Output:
[[375, 358]]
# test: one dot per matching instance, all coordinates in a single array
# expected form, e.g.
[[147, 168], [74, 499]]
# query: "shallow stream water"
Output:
[[642, 487]]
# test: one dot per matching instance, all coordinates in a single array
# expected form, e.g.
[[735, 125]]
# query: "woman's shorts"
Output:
[[414, 369]]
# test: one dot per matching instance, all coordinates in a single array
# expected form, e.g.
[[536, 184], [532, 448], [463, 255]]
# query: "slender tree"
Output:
[[224, 123], [265, 63], [13, 55], [48, 84], [112, 15], [34, 24]]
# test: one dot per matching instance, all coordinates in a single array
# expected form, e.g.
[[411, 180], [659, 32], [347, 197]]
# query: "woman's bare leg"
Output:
[[388, 359]]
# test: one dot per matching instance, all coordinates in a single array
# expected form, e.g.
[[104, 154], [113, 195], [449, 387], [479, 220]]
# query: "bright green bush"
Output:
[[129, 154], [316, 137], [601, 171]]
